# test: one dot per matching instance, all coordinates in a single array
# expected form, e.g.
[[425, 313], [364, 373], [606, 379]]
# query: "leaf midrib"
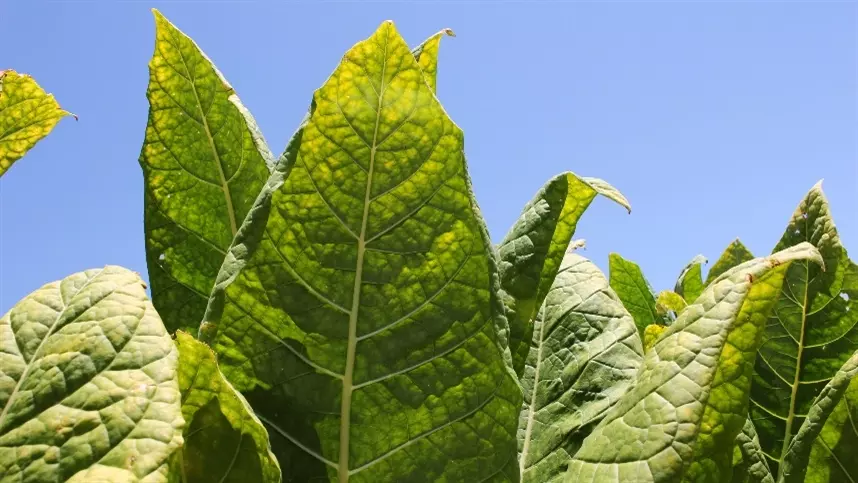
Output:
[[531, 412], [348, 385], [230, 209]]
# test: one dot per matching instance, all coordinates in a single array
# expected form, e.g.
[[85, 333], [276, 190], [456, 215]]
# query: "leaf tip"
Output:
[[449, 32]]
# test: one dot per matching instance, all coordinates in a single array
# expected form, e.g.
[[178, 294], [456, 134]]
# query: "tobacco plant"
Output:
[[339, 313]]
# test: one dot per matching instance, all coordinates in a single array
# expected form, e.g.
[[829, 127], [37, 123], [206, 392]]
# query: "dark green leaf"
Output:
[[735, 254], [584, 354], [629, 283], [689, 284]]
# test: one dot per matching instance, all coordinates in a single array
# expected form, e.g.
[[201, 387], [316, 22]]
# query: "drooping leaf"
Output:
[[358, 309], [689, 284], [680, 419], [735, 254], [204, 162], [812, 331], [427, 56], [532, 250], [88, 385], [749, 462], [224, 440], [795, 461], [27, 114], [634, 290], [670, 301], [651, 335], [584, 354]]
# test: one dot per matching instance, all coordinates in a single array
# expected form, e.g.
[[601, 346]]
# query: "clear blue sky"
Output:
[[713, 118]]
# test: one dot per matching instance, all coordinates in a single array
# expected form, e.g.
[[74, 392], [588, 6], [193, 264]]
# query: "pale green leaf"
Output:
[[680, 419], [689, 284], [27, 114], [670, 301], [358, 309], [733, 255], [812, 331], [749, 462], [204, 162], [815, 431], [427, 56], [88, 385], [635, 292], [224, 440], [584, 354], [532, 250]]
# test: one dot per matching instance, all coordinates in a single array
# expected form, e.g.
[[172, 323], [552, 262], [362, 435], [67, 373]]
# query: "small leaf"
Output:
[[668, 300], [204, 162], [795, 461], [27, 114], [634, 290], [584, 354], [651, 335], [689, 284], [88, 385], [532, 250], [753, 467], [680, 419], [427, 56], [811, 333], [735, 254], [358, 309], [832, 458], [224, 440]]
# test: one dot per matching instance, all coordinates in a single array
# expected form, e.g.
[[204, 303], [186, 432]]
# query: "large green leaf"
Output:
[[735, 254], [532, 250], [27, 114], [832, 458], [427, 56], [584, 354], [88, 385], [795, 461], [689, 284], [358, 309], [812, 331], [749, 462], [635, 292], [679, 420], [224, 440], [204, 162]]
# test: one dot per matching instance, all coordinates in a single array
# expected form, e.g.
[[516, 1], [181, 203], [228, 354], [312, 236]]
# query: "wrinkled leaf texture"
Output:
[[358, 309], [680, 419]]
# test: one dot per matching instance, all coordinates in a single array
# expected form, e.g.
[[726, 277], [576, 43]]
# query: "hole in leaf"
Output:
[[162, 257], [844, 296], [804, 215]]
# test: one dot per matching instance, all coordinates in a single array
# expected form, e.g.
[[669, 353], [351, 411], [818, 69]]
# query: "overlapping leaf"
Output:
[[811, 333], [532, 250], [584, 354], [635, 292], [27, 114], [736, 253], [679, 420], [749, 462], [358, 308], [204, 162], [795, 460], [670, 301], [832, 457], [689, 284], [88, 385], [224, 440]]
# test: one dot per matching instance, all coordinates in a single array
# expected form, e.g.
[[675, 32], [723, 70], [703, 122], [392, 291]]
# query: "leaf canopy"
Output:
[[88, 385], [358, 309], [679, 420], [204, 162], [27, 114], [584, 354]]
